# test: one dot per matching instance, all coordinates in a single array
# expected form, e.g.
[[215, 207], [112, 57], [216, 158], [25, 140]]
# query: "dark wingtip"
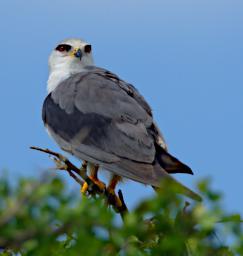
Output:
[[170, 163], [187, 170]]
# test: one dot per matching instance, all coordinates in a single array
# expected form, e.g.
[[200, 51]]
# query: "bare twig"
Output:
[[75, 177], [123, 208], [63, 163], [64, 160]]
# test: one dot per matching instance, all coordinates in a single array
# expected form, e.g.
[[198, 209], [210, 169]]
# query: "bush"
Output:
[[43, 218]]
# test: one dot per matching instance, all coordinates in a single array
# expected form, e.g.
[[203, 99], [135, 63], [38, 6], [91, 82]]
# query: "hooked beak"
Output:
[[77, 53]]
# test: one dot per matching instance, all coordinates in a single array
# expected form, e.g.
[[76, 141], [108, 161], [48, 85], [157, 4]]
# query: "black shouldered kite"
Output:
[[99, 118]]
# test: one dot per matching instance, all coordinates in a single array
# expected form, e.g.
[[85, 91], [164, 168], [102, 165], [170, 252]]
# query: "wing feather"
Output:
[[95, 110]]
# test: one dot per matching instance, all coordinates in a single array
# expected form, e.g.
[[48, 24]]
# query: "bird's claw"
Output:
[[96, 185], [113, 198], [84, 188]]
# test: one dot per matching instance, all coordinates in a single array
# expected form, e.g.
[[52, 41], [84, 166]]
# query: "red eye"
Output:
[[87, 48], [63, 47]]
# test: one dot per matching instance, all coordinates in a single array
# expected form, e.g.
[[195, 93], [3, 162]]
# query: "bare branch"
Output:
[[62, 163]]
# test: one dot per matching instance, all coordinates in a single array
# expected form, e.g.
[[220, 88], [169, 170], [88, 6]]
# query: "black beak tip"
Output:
[[78, 54]]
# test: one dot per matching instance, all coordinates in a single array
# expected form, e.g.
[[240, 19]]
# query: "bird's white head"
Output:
[[69, 57]]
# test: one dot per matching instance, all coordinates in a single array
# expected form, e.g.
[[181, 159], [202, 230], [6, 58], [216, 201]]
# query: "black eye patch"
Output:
[[63, 47], [87, 48]]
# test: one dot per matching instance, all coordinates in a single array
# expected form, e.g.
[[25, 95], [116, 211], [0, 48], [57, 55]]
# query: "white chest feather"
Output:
[[57, 75], [55, 78]]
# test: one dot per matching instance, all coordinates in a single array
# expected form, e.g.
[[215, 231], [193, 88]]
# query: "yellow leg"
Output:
[[94, 177], [111, 189], [113, 182]]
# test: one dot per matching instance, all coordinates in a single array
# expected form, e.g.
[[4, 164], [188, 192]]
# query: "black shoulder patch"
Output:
[[68, 125]]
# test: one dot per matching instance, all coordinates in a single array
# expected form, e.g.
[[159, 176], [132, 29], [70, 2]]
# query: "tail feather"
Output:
[[183, 190]]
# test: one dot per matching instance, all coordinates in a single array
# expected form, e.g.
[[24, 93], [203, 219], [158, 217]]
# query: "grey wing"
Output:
[[92, 115], [133, 92]]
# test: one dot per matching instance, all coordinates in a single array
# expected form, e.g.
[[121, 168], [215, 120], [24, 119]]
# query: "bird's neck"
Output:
[[60, 73], [55, 78]]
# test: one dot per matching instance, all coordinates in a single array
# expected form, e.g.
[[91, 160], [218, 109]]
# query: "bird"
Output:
[[99, 118]]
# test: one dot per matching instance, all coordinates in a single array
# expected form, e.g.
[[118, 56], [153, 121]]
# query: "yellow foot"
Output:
[[101, 186], [84, 188], [112, 197]]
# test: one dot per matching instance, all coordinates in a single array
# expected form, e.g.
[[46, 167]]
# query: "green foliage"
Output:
[[43, 218]]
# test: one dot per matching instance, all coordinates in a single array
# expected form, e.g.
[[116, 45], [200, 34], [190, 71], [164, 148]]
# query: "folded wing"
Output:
[[93, 110]]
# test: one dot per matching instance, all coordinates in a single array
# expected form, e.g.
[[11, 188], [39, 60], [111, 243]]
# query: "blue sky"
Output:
[[185, 57]]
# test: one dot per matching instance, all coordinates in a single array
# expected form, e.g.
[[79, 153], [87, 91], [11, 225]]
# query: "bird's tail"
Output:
[[180, 189], [153, 174], [172, 165]]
